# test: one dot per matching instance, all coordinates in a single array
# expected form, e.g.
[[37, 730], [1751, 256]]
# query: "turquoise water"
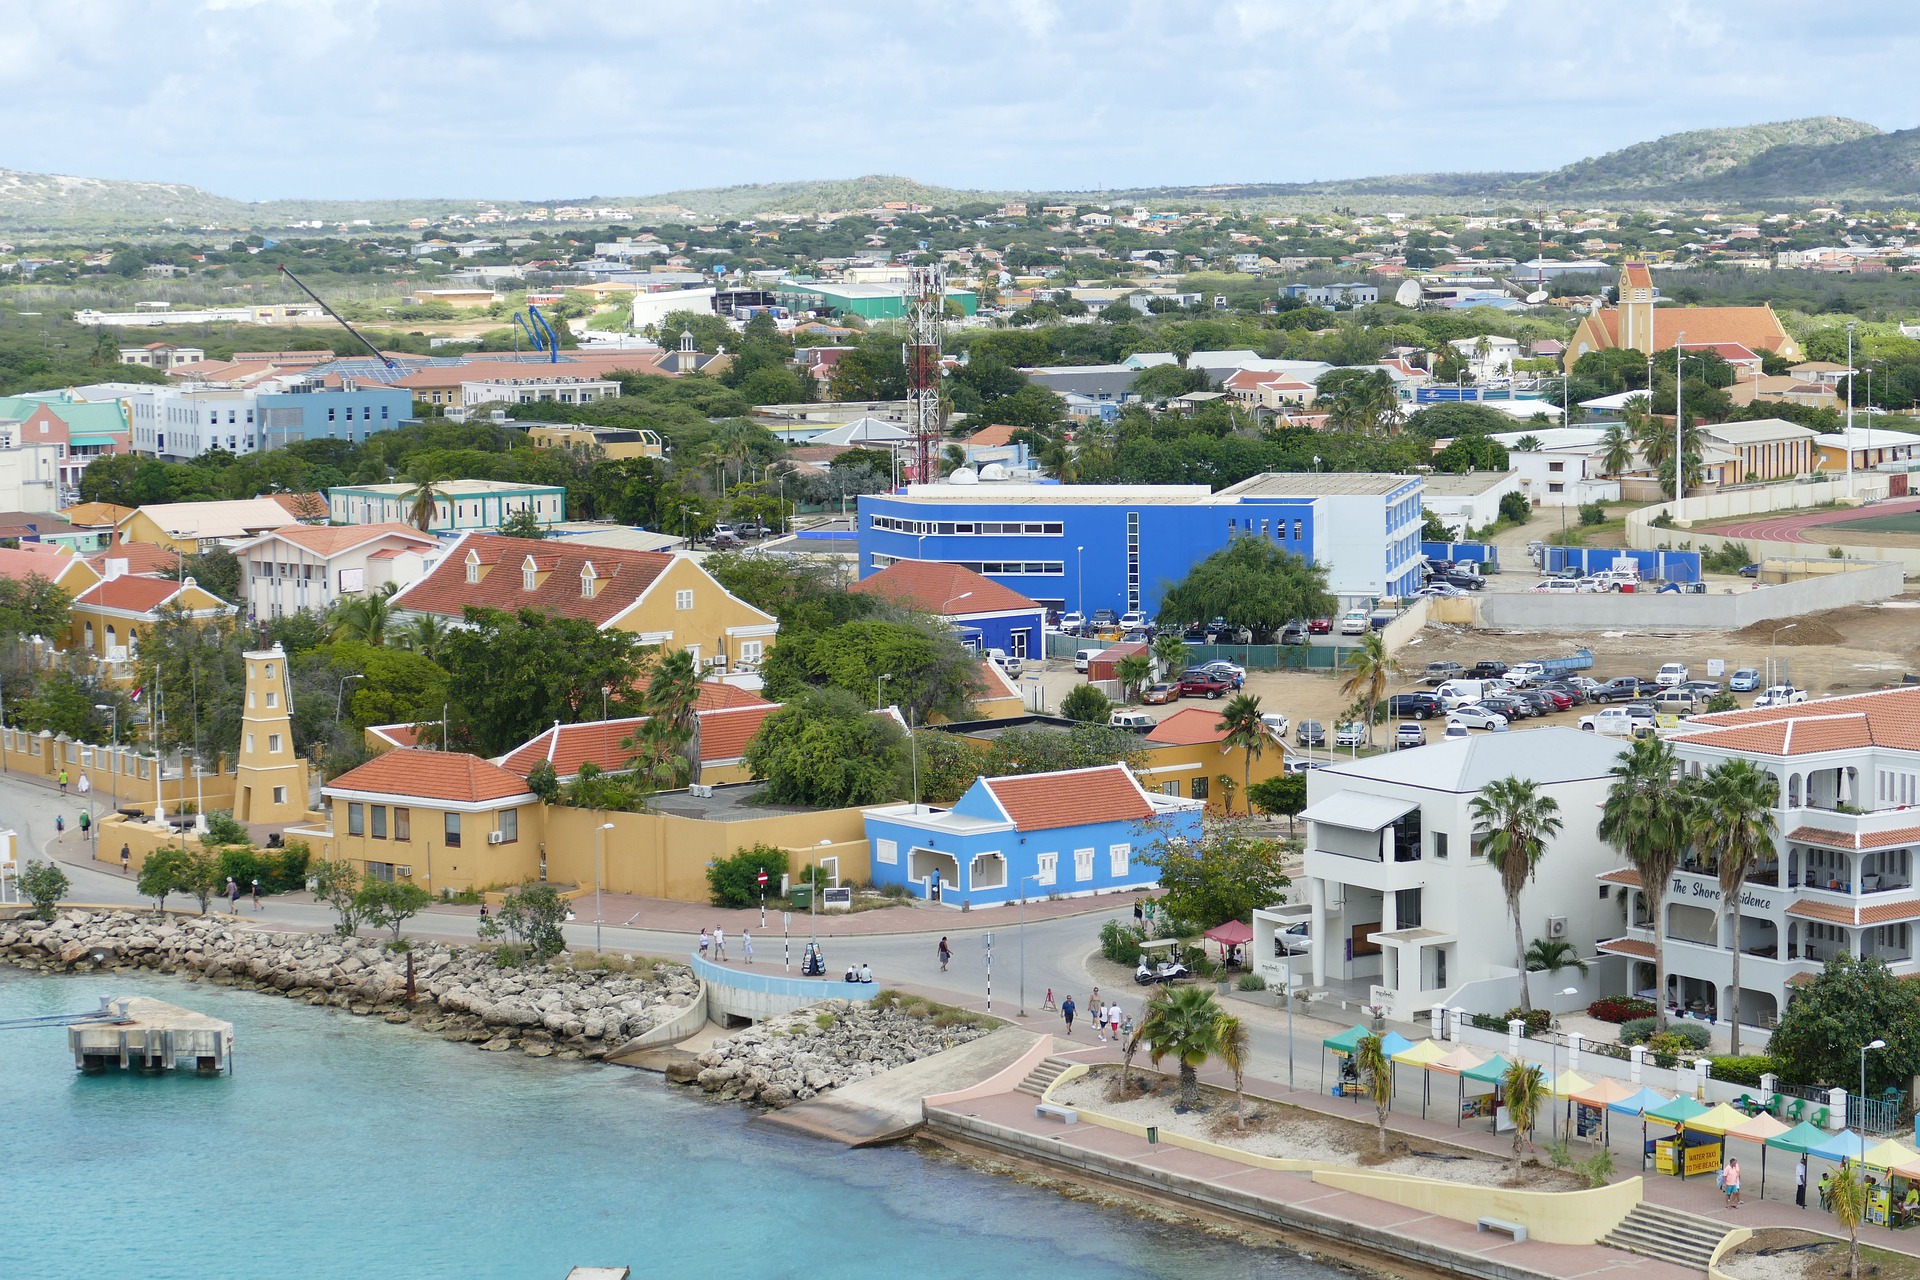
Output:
[[343, 1147]]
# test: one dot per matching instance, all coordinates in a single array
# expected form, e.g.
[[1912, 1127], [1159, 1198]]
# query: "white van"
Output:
[[1136, 721], [1082, 656], [1457, 693], [1354, 623]]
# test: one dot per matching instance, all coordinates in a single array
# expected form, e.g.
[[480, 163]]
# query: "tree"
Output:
[[930, 672], [216, 570], [424, 635], [825, 750], [1515, 509], [1031, 407], [1513, 822], [514, 675], [200, 875], [1185, 1024], [1616, 449], [662, 746], [1850, 1002], [1645, 815], [1228, 873], [531, 915], [1362, 400], [1375, 1069], [364, 618], [1528, 443], [44, 884], [1433, 528], [1086, 704], [1369, 669], [389, 904], [1551, 955], [1135, 672], [1251, 582], [1283, 794], [522, 524], [594, 788], [163, 873], [735, 881], [1525, 1087], [1246, 731], [428, 488], [1733, 826], [1169, 650], [337, 883], [1451, 421], [1471, 453]]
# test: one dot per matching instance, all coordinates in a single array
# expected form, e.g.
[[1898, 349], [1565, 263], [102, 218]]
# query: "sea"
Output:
[[344, 1147]]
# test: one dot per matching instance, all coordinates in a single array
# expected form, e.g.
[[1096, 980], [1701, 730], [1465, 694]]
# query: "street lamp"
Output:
[[113, 710], [599, 874], [1871, 1044], [1554, 1084], [1773, 650], [1080, 585], [1679, 431], [340, 700], [813, 902], [954, 600], [1023, 940], [878, 681], [1851, 325]]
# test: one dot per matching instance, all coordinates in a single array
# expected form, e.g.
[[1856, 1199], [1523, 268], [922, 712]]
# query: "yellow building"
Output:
[[725, 719], [109, 617], [1635, 323], [665, 599], [191, 527], [613, 443], [272, 783], [56, 565]]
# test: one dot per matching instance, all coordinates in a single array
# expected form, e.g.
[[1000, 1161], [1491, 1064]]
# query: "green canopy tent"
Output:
[[1343, 1045], [1490, 1073], [1675, 1112]]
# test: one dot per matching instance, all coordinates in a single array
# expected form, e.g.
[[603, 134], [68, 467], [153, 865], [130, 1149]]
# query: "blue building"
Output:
[[177, 424], [326, 414], [1087, 547], [989, 615], [1063, 834]]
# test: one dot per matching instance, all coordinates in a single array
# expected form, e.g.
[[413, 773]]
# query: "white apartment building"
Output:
[[181, 423], [312, 567], [1564, 468], [29, 473], [556, 388], [1398, 899], [1840, 876]]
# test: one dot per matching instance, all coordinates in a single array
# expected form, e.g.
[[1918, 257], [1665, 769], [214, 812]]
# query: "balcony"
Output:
[[1848, 826]]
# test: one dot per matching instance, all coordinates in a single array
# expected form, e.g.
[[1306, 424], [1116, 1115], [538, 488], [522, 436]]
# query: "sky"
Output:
[[363, 99]]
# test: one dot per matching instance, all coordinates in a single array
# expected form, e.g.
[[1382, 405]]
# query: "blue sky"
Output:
[[260, 99]]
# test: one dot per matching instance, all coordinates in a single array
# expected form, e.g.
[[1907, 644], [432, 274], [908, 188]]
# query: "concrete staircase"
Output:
[[1655, 1231], [1042, 1077]]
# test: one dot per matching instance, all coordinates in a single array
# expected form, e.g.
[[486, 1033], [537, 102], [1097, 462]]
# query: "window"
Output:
[[453, 831], [273, 744], [379, 822], [529, 576], [1406, 909], [402, 824], [1117, 858], [509, 825], [586, 582], [683, 600], [1170, 788], [356, 818], [1083, 864], [249, 742], [887, 851], [1439, 846], [1046, 867], [473, 566], [279, 795], [381, 871], [751, 650], [273, 699], [1200, 788], [1556, 466]]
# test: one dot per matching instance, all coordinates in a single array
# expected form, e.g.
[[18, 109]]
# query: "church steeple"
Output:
[[1636, 307]]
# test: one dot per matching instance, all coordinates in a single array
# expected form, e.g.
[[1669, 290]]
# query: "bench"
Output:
[[1065, 1115], [1513, 1229]]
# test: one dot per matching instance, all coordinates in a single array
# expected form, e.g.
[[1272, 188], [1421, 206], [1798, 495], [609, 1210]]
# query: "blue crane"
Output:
[[539, 333]]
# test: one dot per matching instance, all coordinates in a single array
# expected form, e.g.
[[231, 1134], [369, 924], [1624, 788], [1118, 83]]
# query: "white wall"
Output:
[[30, 478], [1461, 512]]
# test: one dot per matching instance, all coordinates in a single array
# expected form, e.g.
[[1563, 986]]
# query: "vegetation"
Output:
[[1526, 1089], [1850, 1002], [1086, 704], [1513, 822], [1185, 1024], [1847, 1196], [531, 917], [1375, 1069], [1247, 733], [514, 675], [1551, 955], [389, 904], [822, 749], [44, 884], [1646, 816], [162, 874], [1369, 668], [735, 881], [1251, 583], [1283, 795], [1229, 872], [1733, 826]]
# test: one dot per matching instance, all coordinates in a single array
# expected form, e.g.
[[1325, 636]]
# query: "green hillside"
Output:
[[1682, 159], [1883, 164]]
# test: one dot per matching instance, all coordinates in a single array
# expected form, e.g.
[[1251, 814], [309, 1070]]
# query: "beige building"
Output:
[[312, 567], [613, 443], [271, 786]]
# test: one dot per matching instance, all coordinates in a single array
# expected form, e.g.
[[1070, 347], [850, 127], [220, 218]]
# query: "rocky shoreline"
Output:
[[799, 1055], [460, 994]]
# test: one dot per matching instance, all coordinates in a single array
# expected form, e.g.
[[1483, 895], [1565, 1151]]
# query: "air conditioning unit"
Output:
[[500, 837], [404, 869], [1556, 926], [718, 660]]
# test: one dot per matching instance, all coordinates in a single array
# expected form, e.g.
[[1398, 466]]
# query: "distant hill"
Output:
[[1879, 164], [1702, 155]]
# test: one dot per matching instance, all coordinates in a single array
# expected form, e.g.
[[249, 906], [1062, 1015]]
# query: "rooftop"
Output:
[[1071, 798], [1316, 484], [452, 777], [1559, 753], [326, 540], [1466, 486], [1886, 718], [621, 578], [216, 519], [945, 589], [449, 488]]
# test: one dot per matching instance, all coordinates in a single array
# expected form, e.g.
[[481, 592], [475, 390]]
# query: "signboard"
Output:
[[1704, 1158], [353, 580], [1716, 665], [840, 899], [762, 879]]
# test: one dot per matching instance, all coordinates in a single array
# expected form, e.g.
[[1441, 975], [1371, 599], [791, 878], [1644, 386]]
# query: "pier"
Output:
[[135, 1033]]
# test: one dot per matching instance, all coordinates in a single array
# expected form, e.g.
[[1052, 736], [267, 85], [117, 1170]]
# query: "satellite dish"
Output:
[[993, 471], [963, 475], [1408, 294], [1537, 297]]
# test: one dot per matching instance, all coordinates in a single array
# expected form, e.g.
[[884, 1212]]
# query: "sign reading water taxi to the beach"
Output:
[[1704, 1158]]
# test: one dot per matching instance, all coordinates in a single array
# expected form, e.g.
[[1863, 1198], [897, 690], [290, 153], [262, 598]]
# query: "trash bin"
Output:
[[800, 898]]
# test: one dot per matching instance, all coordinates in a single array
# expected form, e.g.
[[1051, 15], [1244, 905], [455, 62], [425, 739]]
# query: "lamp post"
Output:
[[113, 742], [599, 874], [1679, 431], [1851, 325], [1871, 1044], [340, 699], [1773, 649], [1023, 941], [1554, 1084], [878, 681], [813, 902], [1080, 585]]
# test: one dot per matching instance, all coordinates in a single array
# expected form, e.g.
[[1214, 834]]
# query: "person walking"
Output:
[[126, 858], [256, 894], [1066, 1011], [1139, 912], [706, 940], [1093, 1003], [1730, 1183], [1113, 1019], [719, 945], [746, 946], [233, 896], [1800, 1182], [1098, 1012], [946, 954], [59, 824], [63, 782]]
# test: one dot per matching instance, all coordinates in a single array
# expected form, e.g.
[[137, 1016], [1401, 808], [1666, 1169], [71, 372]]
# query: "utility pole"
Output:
[[1851, 324], [1679, 430]]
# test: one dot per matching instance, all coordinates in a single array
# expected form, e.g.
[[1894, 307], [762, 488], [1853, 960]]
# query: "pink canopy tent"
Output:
[[1230, 935]]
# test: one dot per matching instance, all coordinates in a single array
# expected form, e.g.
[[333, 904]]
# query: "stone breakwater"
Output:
[[460, 993], [798, 1055]]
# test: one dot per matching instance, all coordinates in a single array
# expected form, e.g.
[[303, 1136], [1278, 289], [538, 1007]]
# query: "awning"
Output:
[[1722, 1120], [1232, 934], [1568, 1083], [1459, 1060], [1676, 1112], [1357, 811], [93, 442], [1762, 1128], [1888, 1155], [1603, 1094], [1844, 1145], [1800, 1139], [1424, 1054], [1492, 1071], [1639, 1103], [1347, 1040]]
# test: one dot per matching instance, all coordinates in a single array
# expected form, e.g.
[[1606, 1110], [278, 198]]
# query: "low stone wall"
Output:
[[1718, 611], [797, 1056], [460, 993]]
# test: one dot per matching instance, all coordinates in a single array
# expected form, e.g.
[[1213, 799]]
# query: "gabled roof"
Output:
[[18, 566], [1070, 798], [725, 732], [1461, 766], [216, 519], [134, 593], [96, 514], [1751, 327], [450, 777], [330, 540], [622, 577], [991, 437], [936, 588], [1855, 839], [141, 557], [568, 746], [1188, 727], [1885, 718]]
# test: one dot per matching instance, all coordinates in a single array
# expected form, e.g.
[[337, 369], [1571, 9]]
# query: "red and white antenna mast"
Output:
[[926, 312]]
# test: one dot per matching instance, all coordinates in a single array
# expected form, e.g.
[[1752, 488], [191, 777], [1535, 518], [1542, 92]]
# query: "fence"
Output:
[[1673, 566], [1254, 657], [1476, 552]]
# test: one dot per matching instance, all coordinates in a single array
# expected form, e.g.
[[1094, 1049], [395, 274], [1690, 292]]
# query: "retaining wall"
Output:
[[1725, 611], [741, 993]]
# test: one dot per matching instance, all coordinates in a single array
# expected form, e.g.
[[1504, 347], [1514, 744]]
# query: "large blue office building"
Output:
[[1088, 547]]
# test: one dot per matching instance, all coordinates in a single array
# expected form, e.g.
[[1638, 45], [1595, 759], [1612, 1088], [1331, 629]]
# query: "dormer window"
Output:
[[588, 582], [529, 575], [473, 566]]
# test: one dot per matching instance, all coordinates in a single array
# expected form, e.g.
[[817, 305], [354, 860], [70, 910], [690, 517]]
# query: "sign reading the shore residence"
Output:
[[1704, 890]]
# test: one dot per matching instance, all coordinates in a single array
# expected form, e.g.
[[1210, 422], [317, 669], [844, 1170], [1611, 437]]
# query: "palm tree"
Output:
[[1734, 827], [425, 635], [1527, 443], [1525, 1086], [429, 489], [1616, 449], [1135, 671], [1645, 816], [658, 746], [363, 618], [1369, 668], [1188, 1026], [1245, 730], [1235, 1050], [1847, 1193], [1551, 955], [1170, 651], [1376, 1077], [1513, 822]]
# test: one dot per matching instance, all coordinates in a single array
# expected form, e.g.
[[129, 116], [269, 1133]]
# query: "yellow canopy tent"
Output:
[[1721, 1121], [1422, 1055], [1888, 1155]]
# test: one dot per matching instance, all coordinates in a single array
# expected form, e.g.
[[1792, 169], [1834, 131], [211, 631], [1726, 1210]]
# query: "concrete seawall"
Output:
[[755, 996]]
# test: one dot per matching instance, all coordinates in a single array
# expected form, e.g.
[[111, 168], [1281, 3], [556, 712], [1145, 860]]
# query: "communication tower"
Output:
[[926, 311]]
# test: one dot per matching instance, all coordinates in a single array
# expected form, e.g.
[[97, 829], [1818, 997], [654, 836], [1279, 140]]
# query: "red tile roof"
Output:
[[1855, 917], [936, 588], [1623, 875], [19, 565], [992, 437], [141, 557], [717, 694], [1886, 718], [1188, 727], [400, 735], [1626, 947], [724, 733], [568, 746], [450, 776], [134, 592], [622, 578], [1071, 798], [326, 540], [1851, 840]]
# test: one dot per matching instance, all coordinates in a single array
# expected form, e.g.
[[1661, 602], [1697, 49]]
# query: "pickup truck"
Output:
[[1204, 682], [1618, 722], [1780, 695]]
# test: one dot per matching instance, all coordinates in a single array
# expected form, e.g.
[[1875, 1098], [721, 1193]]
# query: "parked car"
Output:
[[1618, 688], [1354, 622], [1081, 657], [1441, 672], [1006, 662], [1204, 683], [1131, 619], [1420, 706], [1476, 717], [1705, 688], [1455, 729], [1276, 723], [1320, 626], [1575, 695], [1556, 587], [1749, 570], [1227, 670], [1136, 721], [1671, 674], [1507, 705], [1613, 722], [1780, 695], [1311, 733], [1294, 633], [1745, 680], [1105, 618], [1677, 701], [1443, 591], [1543, 702], [1409, 735], [1487, 668], [1526, 673], [1466, 581], [1073, 622], [1349, 733], [1294, 938], [1159, 694]]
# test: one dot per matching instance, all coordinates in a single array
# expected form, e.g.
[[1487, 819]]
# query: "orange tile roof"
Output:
[[1635, 275], [1857, 916], [716, 695], [141, 557], [1884, 717], [568, 746], [1626, 947], [1189, 726], [326, 540], [453, 777], [992, 437], [1852, 840], [399, 735], [623, 576], [304, 506], [1071, 798], [133, 592], [936, 588], [724, 733], [1623, 875], [19, 565], [1751, 327]]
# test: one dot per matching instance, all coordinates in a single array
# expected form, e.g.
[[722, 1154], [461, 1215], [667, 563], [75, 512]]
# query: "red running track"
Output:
[[1792, 528]]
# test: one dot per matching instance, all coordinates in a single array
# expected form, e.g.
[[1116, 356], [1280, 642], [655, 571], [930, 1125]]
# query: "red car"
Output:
[[1202, 682], [1320, 627], [1561, 701]]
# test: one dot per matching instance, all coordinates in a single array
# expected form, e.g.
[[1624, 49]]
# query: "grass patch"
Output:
[[616, 962], [942, 1015]]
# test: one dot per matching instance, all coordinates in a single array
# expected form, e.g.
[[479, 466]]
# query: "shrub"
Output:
[[1120, 942], [277, 870], [1620, 1008], [1592, 513], [1597, 1168], [1252, 982], [735, 881], [1743, 1070], [1636, 1030], [1728, 557], [222, 829], [44, 884], [1536, 1022], [1515, 509]]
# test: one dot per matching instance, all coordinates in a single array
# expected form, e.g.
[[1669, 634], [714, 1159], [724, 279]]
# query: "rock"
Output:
[[536, 1050], [399, 1016], [499, 1044]]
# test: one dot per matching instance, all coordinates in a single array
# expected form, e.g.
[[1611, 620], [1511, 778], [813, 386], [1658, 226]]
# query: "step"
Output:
[[1041, 1077], [1670, 1235]]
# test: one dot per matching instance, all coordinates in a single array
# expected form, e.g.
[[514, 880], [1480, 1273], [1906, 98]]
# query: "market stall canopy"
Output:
[[1492, 1071], [1844, 1145], [1761, 1128], [1604, 1094], [1888, 1155], [1722, 1120], [1347, 1041], [1231, 934], [1639, 1103], [1424, 1055], [1393, 1044], [1803, 1137], [1568, 1083], [1676, 1112], [1461, 1059]]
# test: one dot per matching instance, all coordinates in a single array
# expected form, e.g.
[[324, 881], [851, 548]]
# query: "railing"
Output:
[[1873, 1115]]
